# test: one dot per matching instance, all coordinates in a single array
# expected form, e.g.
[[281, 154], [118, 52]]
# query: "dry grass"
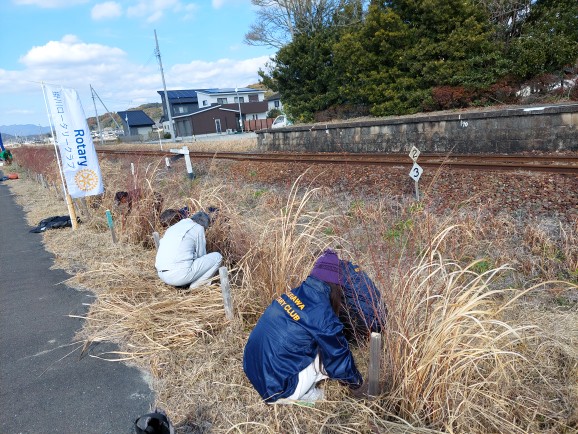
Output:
[[286, 246], [471, 346], [199, 144]]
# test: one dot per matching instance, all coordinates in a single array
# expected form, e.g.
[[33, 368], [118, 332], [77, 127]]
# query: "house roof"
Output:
[[136, 118], [246, 108], [190, 95], [185, 95], [229, 90], [199, 110], [249, 107], [274, 96]]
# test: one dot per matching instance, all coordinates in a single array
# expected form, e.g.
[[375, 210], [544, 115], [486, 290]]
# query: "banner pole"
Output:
[[67, 197]]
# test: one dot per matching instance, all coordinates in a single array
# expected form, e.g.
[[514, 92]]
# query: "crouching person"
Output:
[[182, 259], [299, 340]]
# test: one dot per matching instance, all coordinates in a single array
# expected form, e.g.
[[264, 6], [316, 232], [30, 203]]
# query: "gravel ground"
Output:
[[527, 194]]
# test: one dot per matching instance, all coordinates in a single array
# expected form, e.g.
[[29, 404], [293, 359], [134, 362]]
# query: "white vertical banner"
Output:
[[77, 152]]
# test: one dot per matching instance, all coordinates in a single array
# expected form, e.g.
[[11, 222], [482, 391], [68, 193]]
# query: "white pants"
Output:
[[308, 377], [201, 270]]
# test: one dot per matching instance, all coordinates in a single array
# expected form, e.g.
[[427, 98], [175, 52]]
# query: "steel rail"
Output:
[[488, 162]]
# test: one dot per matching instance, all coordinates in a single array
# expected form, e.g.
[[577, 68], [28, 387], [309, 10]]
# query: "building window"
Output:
[[239, 99], [221, 100], [276, 103], [180, 109], [205, 102]]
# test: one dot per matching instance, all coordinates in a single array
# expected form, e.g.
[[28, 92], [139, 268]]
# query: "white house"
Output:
[[206, 97], [274, 102]]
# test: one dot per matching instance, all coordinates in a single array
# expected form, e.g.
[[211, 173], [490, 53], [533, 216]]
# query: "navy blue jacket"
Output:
[[288, 336]]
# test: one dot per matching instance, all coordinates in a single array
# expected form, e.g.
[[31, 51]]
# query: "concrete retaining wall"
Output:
[[544, 128]]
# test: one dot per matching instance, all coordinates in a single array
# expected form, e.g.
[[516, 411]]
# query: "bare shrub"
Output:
[[450, 353], [284, 251], [553, 249]]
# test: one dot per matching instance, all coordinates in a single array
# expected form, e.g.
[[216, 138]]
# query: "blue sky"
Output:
[[111, 46]]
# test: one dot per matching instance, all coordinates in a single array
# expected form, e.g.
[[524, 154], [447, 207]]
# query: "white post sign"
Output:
[[416, 170], [414, 153], [185, 151]]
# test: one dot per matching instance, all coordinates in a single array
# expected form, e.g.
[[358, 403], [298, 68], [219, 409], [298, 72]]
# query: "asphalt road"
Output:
[[45, 387]]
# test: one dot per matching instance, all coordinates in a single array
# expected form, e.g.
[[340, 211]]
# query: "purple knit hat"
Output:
[[326, 267]]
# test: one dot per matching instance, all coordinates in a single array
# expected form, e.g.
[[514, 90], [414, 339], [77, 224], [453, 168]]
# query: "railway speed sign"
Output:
[[415, 172], [414, 153]]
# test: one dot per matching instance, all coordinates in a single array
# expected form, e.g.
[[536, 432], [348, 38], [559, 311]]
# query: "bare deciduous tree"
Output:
[[278, 21], [508, 15]]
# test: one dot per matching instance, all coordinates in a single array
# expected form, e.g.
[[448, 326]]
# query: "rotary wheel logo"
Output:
[[86, 179]]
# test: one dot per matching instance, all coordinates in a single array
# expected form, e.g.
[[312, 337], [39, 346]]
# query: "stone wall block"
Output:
[[517, 130]]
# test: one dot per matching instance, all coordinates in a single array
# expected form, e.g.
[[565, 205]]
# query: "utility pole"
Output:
[[96, 114], [240, 114], [107, 110], [167, 105]]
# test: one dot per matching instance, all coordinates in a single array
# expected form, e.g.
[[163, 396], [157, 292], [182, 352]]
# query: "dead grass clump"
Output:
[[286, 246], [225, 143], [453, 363], [554, 250], [38, 159], [147, 321]]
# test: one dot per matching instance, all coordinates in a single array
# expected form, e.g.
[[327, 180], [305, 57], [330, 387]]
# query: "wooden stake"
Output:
[[85, 206], [133, 172], [110, 225], [374, 364], [71, 212], [226, 290]]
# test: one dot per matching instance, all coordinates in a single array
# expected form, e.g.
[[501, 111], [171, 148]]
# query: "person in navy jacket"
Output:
[[299, 340]]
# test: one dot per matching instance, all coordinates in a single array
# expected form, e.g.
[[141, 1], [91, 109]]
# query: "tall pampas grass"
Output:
[[282, 254], [452, 360]]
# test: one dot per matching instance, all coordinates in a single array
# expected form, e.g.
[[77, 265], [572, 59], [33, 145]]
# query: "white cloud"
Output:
[[70, 51], [188, 11], [221, 73], [120, 84], [47, 4], [107, 10], [152, 10], [217, 4]]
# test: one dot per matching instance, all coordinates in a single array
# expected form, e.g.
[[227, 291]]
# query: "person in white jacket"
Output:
[[182, 259]]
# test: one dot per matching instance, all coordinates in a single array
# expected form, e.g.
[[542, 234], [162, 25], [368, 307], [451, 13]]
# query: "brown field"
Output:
[[482, 333]]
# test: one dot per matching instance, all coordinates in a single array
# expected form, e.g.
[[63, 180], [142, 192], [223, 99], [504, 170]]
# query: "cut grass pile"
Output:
[[472, 344]]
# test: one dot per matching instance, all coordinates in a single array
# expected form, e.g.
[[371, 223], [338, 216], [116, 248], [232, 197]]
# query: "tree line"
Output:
[[345, 58]]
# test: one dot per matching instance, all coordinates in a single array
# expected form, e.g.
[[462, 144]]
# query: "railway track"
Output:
[[549, 164]]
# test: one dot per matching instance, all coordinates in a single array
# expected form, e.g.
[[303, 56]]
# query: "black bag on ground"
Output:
[[55, 222], [153, 423]]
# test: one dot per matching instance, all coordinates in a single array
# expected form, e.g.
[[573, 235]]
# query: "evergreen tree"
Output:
[[548, 39], [405, 48], [303, 73], [368, 61]]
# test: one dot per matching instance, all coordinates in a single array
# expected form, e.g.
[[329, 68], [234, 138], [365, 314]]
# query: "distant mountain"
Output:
[[153, 110], [5, 136], [24, 130]]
